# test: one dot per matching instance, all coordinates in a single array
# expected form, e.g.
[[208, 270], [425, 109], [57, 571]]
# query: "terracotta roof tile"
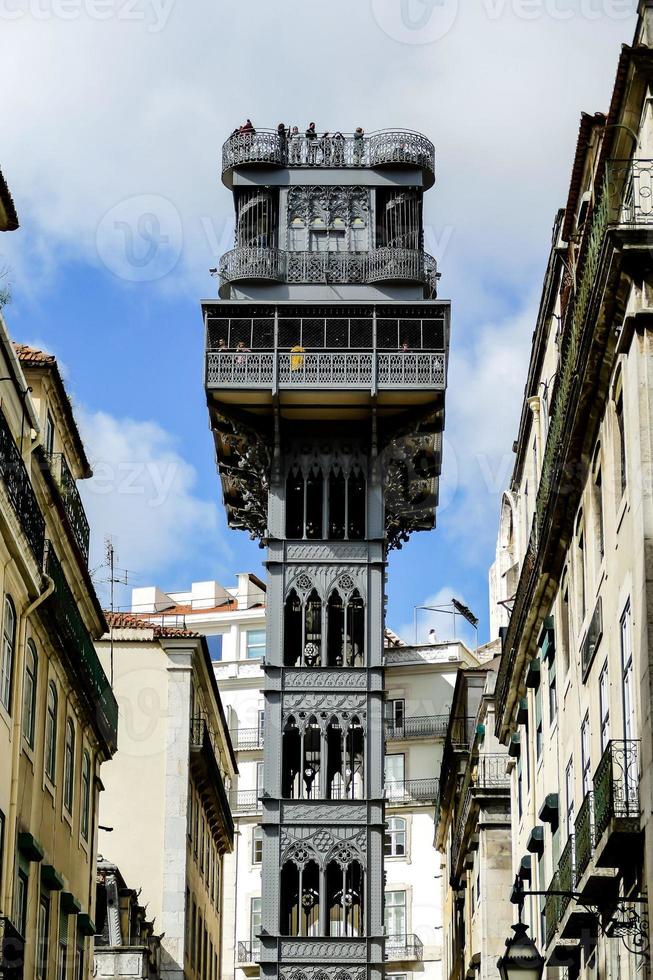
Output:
[[127, 621], [33, 355]]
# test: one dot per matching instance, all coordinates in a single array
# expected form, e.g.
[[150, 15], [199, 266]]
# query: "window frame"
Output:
[[402, 907], [50, 740], [8, 653], [70, 753], [396, 829], [604, 706], [249, 645], [85, 796], [257, 844], [43, 935], [28, 726]]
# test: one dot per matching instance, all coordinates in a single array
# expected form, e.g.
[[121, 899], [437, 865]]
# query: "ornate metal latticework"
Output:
[[387, 147], [616, 785], [18, 485], [584, 835]]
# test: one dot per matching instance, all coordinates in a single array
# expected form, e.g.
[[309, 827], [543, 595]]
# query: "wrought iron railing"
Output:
[[203, 740], [408, 947], [72, 501], [616, 785], [249, 952], [244, 739], [631, 191], [18, 485], [584, 834], [460, 829], [76, 641], [426, 726], [12, 951], [491, 771], [346, 369], [407, 791], [566, 873], [378, 265], [245, 800], [387, 147], [551, 909]]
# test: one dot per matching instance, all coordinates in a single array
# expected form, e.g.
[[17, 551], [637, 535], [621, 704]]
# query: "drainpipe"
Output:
[[15, 759]]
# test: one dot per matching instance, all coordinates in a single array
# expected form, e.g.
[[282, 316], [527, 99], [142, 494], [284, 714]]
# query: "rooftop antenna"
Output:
[[116, 577]]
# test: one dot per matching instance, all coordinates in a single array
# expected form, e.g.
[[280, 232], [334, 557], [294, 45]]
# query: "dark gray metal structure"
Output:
[[326, 362]]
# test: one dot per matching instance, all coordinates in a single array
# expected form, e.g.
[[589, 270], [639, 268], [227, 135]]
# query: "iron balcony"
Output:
[[246, 264], [245, 801], [409, 792], [71, 500], [617, 804], [427, 726], [247, 739], [249, 952], [401, 948], [396, 148], [18, 486]]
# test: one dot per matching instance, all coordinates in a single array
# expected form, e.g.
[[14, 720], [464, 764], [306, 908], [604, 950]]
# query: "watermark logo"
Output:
[[141, 238], [153, 14], [416, 21]]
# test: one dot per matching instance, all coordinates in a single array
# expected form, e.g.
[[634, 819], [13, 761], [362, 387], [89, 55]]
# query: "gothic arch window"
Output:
[[301, 759], [331, 503], [345, 630], [345, 888], [335, 630], [335, 789], [295, 504], [300, 897], [354, 630], [293, 622], [291, 760], [303, 630], [354, 756]]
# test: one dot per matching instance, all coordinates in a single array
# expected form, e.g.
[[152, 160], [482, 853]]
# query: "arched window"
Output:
[[7, 657], [354, 760], [29, 693], [69, 766], [292, 633], [295, 505], [85, 817], [300, 899], [301, 760], [50, 759], [345, 630], [394, 841], [312, 653], [345, 885], [355, 631], [335, 630], [291, 761]]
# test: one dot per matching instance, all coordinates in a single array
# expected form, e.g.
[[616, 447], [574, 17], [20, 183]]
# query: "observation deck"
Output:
[[386, 148]]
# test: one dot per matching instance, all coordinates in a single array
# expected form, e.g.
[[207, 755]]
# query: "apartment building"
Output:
[[473, 829], [165, 816], [58, 716], [570, 588]]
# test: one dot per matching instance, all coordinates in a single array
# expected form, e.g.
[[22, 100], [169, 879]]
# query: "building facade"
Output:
[[125, 943], [570, 588], [325, 377], [473, 830], [58, 716], [174, 764]]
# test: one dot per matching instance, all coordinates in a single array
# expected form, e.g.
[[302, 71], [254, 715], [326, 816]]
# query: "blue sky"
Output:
[[111, 139]]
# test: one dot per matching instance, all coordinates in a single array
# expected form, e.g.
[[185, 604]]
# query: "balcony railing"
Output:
[[12, 951], [249, 952], [77, 643], [426, 726], [461, 732], [630, 183], [245, 800], [18, 485], [407, 791], [584, 835], [379, 265], [566, 873], [247, 739], [346, 369], [72, 502], [204, 748], [409, 947], [552, 909], [383, 148], [491, 771], [616, 785]]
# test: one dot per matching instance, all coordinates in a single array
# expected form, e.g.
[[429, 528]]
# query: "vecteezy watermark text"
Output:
[[154, 14], [427, 21]]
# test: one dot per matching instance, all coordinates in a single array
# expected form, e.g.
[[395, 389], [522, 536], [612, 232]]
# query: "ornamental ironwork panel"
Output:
[[616, 785], [253, 263], [244, 800], [411, 370], [404, 792], [77, 643], [346, 369], [387, 147], [552, 910], [18, 485], [72, 501], [630, 185], [408, 947], [243, 368], [566, 873], [584, 834], [426, 726], [249, 952], [247, 739]]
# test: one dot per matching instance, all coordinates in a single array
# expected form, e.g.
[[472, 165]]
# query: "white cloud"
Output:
[[143, 494]]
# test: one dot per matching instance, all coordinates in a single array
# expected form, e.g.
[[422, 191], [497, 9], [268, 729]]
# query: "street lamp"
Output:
[[522, 959]]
